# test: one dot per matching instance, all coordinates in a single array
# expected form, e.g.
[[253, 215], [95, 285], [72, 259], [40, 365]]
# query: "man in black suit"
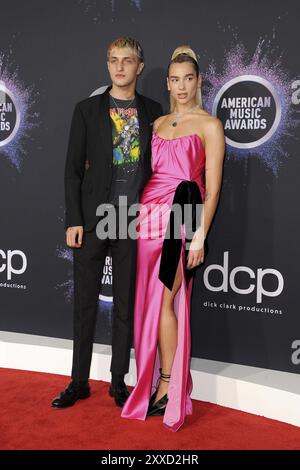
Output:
[[109, 156]]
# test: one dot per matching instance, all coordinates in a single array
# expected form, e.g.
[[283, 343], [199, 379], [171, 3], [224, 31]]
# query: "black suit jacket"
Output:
[[88, 170]]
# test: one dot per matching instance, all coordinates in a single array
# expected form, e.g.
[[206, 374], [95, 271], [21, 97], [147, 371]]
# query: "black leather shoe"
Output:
[[152, 400], [119, 393], [70, 395], [158, 408]]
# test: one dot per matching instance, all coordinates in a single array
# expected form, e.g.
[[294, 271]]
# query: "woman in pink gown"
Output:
[[178, 165]]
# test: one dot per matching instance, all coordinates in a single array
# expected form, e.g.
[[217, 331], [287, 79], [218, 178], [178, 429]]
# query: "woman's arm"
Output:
[[214, 151]]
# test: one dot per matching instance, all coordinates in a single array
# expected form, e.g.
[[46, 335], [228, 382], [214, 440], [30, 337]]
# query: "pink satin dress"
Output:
[[173, 160]]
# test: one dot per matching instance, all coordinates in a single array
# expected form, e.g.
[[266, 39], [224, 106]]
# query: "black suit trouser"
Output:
[[88, 268]]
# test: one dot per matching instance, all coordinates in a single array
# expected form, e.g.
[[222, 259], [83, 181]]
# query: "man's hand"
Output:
[[74, 236]]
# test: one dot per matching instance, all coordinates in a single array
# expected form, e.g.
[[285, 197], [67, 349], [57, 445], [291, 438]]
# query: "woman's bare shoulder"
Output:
[[159, 121], [208, 123]]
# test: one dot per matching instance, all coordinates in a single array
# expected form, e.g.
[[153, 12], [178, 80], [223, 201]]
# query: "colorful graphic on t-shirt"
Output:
[[125, 133]]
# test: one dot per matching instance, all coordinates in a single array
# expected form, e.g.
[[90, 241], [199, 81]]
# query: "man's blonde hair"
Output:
[[127, 42]]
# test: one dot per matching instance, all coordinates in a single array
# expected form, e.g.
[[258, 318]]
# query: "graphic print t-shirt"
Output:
[[126, 151]]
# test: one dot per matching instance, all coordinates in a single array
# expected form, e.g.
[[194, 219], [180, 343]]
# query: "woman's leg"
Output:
[[167, 336]]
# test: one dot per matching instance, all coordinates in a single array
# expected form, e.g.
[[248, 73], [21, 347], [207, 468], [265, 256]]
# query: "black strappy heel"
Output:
[[158, 408]]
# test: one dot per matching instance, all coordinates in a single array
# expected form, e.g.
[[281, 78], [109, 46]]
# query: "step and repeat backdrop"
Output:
[[245, 305]]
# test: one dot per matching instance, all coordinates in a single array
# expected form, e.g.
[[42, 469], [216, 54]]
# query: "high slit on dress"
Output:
[[174, 161]]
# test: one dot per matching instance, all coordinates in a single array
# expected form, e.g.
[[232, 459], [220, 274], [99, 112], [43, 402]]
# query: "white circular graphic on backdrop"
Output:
[[9, 115], [250, 110]]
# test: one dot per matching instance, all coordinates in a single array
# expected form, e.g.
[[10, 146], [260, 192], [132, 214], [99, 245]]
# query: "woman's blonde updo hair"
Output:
[[180, 55]]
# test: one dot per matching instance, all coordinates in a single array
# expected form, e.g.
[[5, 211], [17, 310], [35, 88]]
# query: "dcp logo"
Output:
[[250, 110], [229, 279], [13, 262]]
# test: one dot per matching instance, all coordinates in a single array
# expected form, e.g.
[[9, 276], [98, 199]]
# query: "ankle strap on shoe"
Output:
[[164, 377]]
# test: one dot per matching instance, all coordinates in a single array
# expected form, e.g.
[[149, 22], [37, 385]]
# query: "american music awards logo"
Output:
[[250, 110], [9, 115], [253, 99], [17, 117]]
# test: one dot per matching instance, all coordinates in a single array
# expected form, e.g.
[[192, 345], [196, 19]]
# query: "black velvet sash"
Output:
[[187, 192]]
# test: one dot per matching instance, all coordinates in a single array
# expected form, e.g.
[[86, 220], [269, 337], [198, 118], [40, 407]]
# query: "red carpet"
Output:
[[28, 422]]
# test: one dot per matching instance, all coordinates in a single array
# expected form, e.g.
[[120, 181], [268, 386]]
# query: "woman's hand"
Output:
[[195, 257], [196, 251]]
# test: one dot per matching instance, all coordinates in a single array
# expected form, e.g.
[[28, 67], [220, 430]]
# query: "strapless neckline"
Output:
[[178, 138]]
